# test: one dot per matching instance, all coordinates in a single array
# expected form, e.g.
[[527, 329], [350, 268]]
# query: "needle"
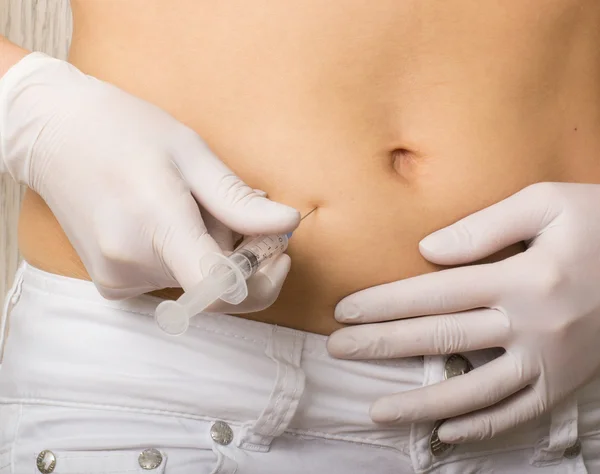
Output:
[[308, 214]]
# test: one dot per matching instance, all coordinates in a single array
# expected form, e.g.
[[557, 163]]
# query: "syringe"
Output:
[[223, 278]]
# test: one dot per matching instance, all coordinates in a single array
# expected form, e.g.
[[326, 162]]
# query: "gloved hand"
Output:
[[542, 306], [128, 183]]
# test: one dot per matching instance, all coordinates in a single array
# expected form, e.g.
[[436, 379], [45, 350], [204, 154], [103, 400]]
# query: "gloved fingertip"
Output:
[[449, 246], [342, 345], [435, 244], [385, 411], [287, 212], [450, 435], [347, 312], [275, 217]]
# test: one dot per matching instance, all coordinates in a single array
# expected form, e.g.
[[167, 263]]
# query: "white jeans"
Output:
[[92, 386]]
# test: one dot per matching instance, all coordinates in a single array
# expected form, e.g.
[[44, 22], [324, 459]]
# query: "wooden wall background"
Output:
[[37, 25]]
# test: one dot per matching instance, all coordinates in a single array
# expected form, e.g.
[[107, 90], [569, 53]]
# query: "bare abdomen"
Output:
[[393, 119]]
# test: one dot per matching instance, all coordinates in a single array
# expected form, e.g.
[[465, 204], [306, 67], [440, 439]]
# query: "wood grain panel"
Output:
[[38, 25]]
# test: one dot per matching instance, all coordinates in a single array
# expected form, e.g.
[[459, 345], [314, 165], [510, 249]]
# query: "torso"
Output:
[[394, 118]]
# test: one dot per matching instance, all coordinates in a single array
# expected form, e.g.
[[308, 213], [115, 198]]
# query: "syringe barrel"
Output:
[[246, 261], [256, 252]]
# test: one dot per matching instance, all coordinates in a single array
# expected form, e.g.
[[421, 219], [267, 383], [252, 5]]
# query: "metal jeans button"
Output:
[[455, 365], [436, 446], [46, 462], [221, 433], [573, 451], [150, 459]]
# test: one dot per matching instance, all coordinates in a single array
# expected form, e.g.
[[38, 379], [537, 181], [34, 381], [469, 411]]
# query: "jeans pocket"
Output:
[[147, 461], [63, 440], [50, 461]]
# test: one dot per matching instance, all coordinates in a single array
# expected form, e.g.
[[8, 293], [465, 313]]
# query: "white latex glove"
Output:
[[125, 181], [542, 306]]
